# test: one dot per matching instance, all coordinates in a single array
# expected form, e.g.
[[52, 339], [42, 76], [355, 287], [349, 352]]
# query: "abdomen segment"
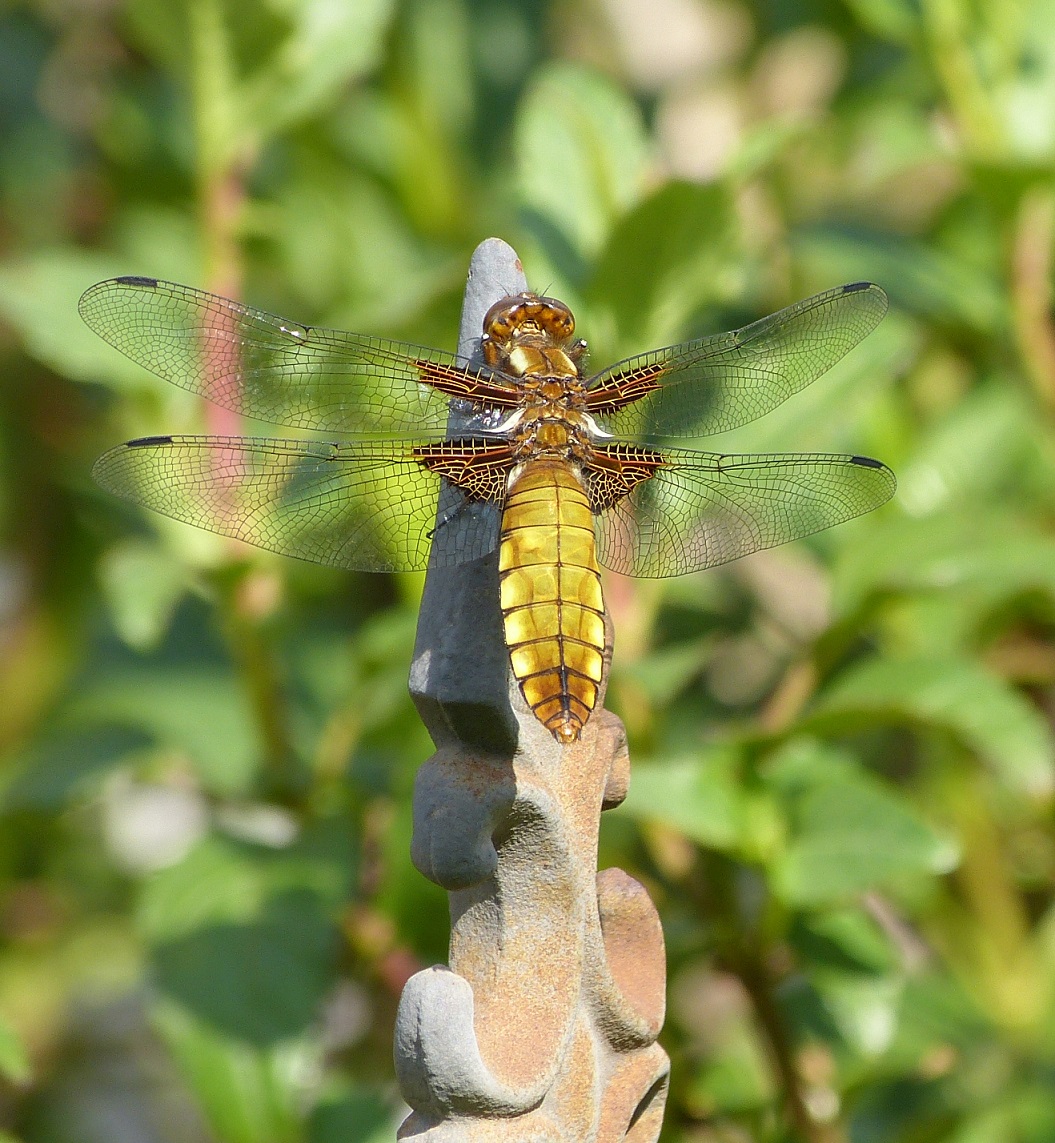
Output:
[[551, 596]]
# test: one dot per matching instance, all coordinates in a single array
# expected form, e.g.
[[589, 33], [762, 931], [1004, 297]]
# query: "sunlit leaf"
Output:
[[896, 20], [38, 296], [581, 151], [330, 45], [968, 547], [993, 422], [843, 940], [14, 1060], [956, 696], [142, 586], [223, 881], [696, 796], [243, 936], [248, 1094], [688, 237], [924, 279], [262, 981], [832, 412], [200, 711], [852, 835], [865, 1009], [734, 1078]]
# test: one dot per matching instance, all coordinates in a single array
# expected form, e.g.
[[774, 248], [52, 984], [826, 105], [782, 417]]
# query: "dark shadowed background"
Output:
[[843, 749]]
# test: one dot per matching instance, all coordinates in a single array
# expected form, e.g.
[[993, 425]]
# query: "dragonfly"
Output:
[[562, 471]]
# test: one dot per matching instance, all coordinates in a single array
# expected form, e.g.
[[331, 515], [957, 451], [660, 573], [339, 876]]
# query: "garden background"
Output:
[[843, 750]]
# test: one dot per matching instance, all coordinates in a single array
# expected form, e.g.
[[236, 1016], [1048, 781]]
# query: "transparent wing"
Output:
[[368, 506], [724, 381], [702, 509], [276, 370]]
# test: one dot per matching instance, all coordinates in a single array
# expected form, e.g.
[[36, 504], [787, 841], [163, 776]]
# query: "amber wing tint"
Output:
[[274, 369], [724, 381], [368, 505], [702, 509]]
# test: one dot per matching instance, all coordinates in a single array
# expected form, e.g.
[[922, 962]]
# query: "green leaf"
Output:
[[331, 45], [833, 413], [698, 796], [735, 1078], [262, 981], [956, 696], [243, 935], [226, 881], [38, 297], [662, 673], [894, 20], [218, 881], [675, 253], [851, 835], [68, 763], [994, 421], [142, 586], [844, 940], [14, 1060], [581, 151], [923, 278], [248, 1095], [987, 550], [200, 711], [351, 1115], [864, 1009]]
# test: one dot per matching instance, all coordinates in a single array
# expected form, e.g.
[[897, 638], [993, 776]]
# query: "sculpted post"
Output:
[[543, 1027]]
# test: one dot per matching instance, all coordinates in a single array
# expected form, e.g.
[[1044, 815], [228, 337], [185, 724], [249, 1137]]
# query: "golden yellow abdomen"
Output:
[[551, 596]]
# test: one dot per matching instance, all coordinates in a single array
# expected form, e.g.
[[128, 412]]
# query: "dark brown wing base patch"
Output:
[[612, 472], [479, 469], [468, 385], [621, 389]]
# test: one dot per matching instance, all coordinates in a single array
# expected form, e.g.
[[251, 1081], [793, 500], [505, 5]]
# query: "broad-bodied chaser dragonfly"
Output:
[[561, 470]]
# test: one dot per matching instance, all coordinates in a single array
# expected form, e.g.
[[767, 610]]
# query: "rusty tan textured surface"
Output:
[[543, 1028]]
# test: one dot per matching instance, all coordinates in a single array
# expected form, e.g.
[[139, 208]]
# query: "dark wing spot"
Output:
[[867, 462], [856, 287], [135, 280], [148, 442]]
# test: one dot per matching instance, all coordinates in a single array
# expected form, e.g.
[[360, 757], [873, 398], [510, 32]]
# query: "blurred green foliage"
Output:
[[843, 751]]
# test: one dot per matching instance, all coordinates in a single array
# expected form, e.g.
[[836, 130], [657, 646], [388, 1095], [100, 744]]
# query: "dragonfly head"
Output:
[[528, 316]]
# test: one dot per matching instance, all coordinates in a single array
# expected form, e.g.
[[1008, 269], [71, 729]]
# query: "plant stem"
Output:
[[1031, 289], [224, 153], [757, 982]]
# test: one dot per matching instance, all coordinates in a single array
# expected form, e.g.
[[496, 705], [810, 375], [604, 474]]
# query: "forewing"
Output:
[[703, 509], [722, 382], [368, 505], [273, 369]]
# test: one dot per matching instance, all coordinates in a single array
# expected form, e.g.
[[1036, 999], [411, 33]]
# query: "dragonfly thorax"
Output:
[[552, 436], [553, 431]]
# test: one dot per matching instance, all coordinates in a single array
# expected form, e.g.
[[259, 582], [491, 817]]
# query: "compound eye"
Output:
[[557, 319], [502, 317]]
